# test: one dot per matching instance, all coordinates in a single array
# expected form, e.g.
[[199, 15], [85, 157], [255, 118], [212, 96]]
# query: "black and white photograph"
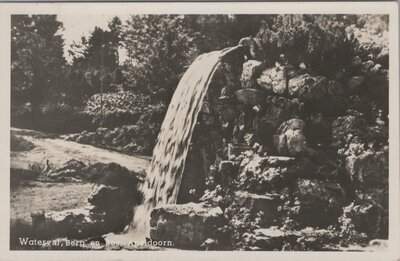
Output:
[[147, 132]]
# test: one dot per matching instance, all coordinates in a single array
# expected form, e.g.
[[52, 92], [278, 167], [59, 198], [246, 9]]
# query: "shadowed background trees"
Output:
[[37, 63]]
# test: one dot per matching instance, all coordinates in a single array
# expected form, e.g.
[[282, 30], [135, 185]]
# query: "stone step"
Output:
[[186, 226]]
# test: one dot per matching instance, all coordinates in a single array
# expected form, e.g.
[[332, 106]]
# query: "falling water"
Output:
[[164, 174]]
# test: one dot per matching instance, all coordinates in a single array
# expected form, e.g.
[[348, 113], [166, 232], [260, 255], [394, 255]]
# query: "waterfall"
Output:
[[164, 174]]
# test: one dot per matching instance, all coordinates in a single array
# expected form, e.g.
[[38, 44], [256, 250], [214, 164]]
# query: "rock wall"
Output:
[[316, 144]]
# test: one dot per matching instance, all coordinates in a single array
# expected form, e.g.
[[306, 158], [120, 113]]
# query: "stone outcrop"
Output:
[[290, 139], [369, 168], [187, 225], [267, 203], [74, 223], [251, 70], [315, 136], [321, 190], [271, 174], [315, 140], [347, 128], [308, 87], [320, 201], [274, 79], [109, 207]]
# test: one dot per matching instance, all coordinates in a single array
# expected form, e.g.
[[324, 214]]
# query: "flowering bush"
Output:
[[121, 108]]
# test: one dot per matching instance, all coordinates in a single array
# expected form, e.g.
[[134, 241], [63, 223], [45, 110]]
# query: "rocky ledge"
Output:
[[187, 225]]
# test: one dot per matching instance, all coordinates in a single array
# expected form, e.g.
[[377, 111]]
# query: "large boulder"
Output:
[[267, 203], [293, 124], [251, 70], [110, 204], [290, 139], [73, 223], [271, 174], [273, 79], [308, 87], [104, 197], [187, 225], [115, 193]]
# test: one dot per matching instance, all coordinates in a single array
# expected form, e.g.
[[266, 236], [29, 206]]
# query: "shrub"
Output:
[[129, 139], [64, 118], [111, 174], [52, 117], [325, 43], [320, 42], [121, 108]]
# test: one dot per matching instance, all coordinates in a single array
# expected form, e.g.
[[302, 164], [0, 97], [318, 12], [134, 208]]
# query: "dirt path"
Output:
[[58, 151]]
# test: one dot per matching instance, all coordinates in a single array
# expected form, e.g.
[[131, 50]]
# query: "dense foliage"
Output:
[[112, 109], [37, 63], [95, 64]]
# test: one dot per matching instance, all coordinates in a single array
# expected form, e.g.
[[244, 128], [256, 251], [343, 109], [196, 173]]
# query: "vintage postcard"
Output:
[[153, 131]]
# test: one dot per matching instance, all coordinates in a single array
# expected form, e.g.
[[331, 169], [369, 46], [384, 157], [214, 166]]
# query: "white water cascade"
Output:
[[164, 174]]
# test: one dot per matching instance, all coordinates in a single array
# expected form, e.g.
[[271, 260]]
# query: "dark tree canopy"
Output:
[[37, 62], [95, 62]]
